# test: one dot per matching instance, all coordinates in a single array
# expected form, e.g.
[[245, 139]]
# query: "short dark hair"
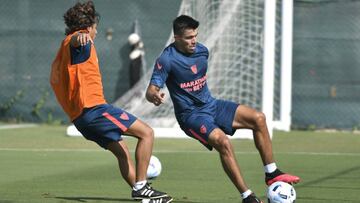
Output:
[[80, 16], [184, 22]]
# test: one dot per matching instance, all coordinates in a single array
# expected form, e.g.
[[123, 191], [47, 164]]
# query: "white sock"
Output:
[[269, 168], [139, 185], [246, 194]]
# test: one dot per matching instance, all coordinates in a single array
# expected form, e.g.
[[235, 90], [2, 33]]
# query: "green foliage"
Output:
[[356, 128], [52, 121], [8, 105], [311, 127], [38, 106]]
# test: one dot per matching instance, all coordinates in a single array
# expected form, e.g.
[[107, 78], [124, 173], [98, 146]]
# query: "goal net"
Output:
[[233, 31]]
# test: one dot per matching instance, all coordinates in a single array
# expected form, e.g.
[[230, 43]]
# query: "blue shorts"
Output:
[[202, 121], [104, 124]]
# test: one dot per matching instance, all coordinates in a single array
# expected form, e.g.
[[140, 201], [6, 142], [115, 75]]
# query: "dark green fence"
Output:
[[326, 68]]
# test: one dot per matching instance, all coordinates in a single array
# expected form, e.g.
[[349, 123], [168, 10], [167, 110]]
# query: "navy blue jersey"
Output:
[[184, 76]]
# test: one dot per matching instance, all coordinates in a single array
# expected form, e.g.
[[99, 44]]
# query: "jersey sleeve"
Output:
[[80, 54], [160, 72]]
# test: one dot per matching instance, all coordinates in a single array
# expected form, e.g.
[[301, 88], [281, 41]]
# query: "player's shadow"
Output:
[[328, 177], [86, 199], [340, 174]]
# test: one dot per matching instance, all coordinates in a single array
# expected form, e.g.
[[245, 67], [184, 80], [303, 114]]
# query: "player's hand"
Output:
[[83, 38], [159, 98]]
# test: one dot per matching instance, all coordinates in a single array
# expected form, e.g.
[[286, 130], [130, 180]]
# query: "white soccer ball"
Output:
[[154, 168], [281, 192], [145, 201]]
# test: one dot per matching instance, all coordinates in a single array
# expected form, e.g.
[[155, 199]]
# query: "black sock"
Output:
[[277, 172], [251, 198]]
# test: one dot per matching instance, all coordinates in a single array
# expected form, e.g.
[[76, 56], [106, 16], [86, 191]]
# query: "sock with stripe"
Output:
[[246, 194], [270, 168], [140, 184]]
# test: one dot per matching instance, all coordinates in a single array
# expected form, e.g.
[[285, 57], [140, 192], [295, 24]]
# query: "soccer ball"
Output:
[[154, 168], [145, 200], [281, 192]]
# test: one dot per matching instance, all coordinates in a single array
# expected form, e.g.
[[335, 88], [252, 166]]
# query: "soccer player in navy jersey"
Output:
[[182, 66]]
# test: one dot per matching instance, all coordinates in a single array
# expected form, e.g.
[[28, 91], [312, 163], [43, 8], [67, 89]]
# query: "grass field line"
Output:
[[174, 151], [15, 126]]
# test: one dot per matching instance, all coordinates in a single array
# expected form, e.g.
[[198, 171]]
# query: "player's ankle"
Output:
[[246, 194], [271, 167], [274, 174], [140, 184]]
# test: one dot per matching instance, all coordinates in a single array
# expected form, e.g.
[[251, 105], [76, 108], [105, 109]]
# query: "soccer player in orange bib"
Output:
[[76, 81]]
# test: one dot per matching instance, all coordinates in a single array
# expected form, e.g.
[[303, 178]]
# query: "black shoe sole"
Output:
[[157, 197]]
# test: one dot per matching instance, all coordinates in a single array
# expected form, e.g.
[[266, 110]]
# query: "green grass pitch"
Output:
[[42, 164]]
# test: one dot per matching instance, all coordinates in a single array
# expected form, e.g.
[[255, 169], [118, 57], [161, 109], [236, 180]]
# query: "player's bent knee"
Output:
[[141, 130], [260, 118], [149, 133], [222, 143]]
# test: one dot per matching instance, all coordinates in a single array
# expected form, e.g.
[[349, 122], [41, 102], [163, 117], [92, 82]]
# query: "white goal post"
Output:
[[284, 123], [241, 38]]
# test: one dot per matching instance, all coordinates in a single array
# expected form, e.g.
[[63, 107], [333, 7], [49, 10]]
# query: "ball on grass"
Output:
[[154, 168]]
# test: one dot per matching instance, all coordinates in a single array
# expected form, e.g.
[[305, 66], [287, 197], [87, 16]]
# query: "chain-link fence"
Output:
[[326, 67], [326, 54]]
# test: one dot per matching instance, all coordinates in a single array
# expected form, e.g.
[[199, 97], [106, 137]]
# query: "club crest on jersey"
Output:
[[158, 65], [194, 69], [124, 116], [203, 129]]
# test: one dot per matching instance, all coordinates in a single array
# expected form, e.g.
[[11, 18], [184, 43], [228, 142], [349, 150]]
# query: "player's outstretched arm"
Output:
[[80, 39], [154, 95]]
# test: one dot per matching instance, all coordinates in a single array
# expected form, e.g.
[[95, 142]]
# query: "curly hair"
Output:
[[80, 16]]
